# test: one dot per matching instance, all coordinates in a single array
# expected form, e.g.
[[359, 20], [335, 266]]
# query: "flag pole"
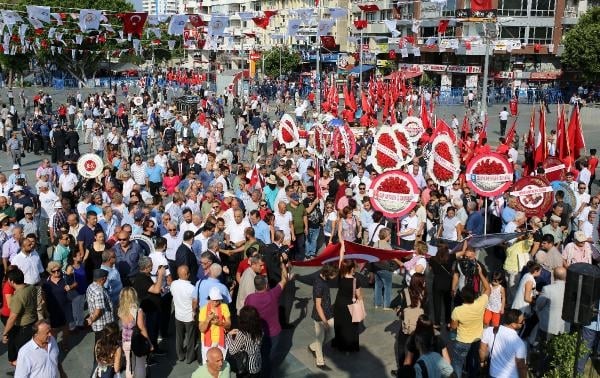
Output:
[[485, 216]]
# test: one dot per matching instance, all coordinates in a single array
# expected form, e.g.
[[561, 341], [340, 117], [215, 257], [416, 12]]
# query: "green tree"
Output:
[[85, 63], [280, 57], [13, 64], [582, 46]]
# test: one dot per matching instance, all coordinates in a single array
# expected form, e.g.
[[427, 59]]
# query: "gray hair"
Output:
[[145, 263], [457, 202], [213, 244], [471, 206], [107, 254], [215, 270]]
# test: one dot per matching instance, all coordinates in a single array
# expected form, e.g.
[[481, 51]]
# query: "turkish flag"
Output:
[[254, 178], [270, 13], [261, 22], [196, 20], [540, 141], [392, 54], [443, 26], [511, 133], [479, 5], [562, 139], [328, 41], [442, 127], [368, 8], [360, 24], [353, 251], [576, 142], [133, 23]]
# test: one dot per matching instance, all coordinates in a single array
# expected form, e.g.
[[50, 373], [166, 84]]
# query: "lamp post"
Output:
[[360, 54]]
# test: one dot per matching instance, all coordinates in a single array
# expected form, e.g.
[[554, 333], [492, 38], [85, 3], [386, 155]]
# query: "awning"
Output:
[[365, 67], [404, 74]]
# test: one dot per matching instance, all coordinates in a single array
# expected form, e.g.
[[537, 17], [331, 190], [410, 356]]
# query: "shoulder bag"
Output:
[[140, 345], [485, 369], [239, 362], [357, 308]]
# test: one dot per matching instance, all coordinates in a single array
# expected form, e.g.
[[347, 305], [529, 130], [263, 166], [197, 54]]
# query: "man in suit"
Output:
[[185, 256], [274, 255], [549, 306], [180, 167]]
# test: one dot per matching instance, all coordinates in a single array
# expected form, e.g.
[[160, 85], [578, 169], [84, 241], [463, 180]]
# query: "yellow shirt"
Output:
[[214, 329], [470, 320]]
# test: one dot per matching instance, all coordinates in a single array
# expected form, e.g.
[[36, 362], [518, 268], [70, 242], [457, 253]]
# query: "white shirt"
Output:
[[138, 173], [236, 231], [585, 176], [67, 182], [172, 244], [503, 115], [183, 227], [183, 293], [161, 161], [507, 347], [365, 179], [407, 224], [30, 265], [159, 259], [282, 222], [34, 361], [47, 201]]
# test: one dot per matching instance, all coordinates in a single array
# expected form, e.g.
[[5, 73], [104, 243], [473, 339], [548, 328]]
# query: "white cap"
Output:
[[214, 294], [16, 166]]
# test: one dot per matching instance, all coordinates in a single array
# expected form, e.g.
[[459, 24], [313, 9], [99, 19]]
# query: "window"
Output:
[[542, 8], [372, 16], [541, 35], [512, 8], [449, 9], [513, 32]]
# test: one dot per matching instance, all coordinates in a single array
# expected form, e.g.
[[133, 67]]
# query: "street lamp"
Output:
[[488, 34]]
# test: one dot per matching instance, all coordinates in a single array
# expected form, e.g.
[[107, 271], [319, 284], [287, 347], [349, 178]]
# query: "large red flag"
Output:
[[318, 191], [261, 22], [481, 4], [133, 23], [254, 178], [575, 133], [562, 139], [442, 127], [466, 128], [540, 141], [364, 102], [424, 115], [511, 133], [353, 251]]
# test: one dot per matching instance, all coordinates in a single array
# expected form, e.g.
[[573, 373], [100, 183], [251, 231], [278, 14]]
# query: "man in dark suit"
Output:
[[274, 254], [185, 256], [180, 167], [193, 166]]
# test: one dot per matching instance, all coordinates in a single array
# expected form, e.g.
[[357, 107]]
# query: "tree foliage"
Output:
[[582, 46], [290, 61]]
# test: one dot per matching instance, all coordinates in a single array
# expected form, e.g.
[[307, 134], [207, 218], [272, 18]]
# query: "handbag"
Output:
[[357, 308], [140, 345], [239, 362]]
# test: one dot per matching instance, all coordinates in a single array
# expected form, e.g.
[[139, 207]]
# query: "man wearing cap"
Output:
[[215, 321], [12, 179], [99, 304], [29, 224], [578, 251], [20, 200], [553, 228]]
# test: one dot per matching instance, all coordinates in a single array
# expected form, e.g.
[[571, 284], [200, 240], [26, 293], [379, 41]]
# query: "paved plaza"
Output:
[[376, 357]]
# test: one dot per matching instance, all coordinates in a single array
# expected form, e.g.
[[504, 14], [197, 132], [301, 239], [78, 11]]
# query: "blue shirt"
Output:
[[203, 287], [262, 232], [127, 262], [475, 223], [113, 283], [154, 173]]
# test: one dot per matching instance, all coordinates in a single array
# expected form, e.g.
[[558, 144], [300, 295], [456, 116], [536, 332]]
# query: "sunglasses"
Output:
[[55, 271], [123, 239], [263, 205], [172, 229]]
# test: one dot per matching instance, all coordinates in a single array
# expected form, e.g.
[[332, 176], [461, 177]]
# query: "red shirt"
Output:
[[593, 164], [6, 290], [245, 264]]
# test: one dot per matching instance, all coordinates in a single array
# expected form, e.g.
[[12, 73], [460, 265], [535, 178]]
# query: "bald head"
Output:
[[183, 272], [560, 273], [214, 359]]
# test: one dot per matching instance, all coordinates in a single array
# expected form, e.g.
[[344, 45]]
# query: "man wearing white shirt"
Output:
[[415, 172], [187, 224], [67, 182], [174, 240], [28, 261], [361, 178], [234, 232], [185, 306], [503, 116], [39, 356], [584, 175], [201, 157], [161, 159]]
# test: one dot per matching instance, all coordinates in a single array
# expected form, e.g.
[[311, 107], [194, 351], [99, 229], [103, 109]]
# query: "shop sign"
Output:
[[464, 69], [505, 75]]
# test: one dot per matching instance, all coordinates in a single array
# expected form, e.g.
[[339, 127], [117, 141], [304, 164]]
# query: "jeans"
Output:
[[268, 350], [77, 305], [311, 242], [299, 247], [468, 352], [382, 296], [322, 336], [590, 340]]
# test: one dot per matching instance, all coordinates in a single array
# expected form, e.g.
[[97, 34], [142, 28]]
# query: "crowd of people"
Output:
[[187, 235]]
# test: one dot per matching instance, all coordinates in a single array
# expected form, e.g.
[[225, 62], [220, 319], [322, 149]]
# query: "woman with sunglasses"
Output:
[[55, 291]]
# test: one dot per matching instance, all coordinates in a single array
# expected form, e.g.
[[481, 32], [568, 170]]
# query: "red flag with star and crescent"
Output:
[[133, 22]]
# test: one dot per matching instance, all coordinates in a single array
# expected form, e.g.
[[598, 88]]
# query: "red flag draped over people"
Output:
[[359, 252], [133, 23], [511, 133], [575, 133], [540, 142], [441, 127], [562, 139]]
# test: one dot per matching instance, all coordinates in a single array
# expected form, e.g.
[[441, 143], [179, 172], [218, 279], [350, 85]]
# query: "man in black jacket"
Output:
[[185, 256], [274, 254]]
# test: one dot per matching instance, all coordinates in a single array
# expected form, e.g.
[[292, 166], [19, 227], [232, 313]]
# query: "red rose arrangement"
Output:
[[286, 135], [489, 167], [383, 159], [394, 185], [440, 172]]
